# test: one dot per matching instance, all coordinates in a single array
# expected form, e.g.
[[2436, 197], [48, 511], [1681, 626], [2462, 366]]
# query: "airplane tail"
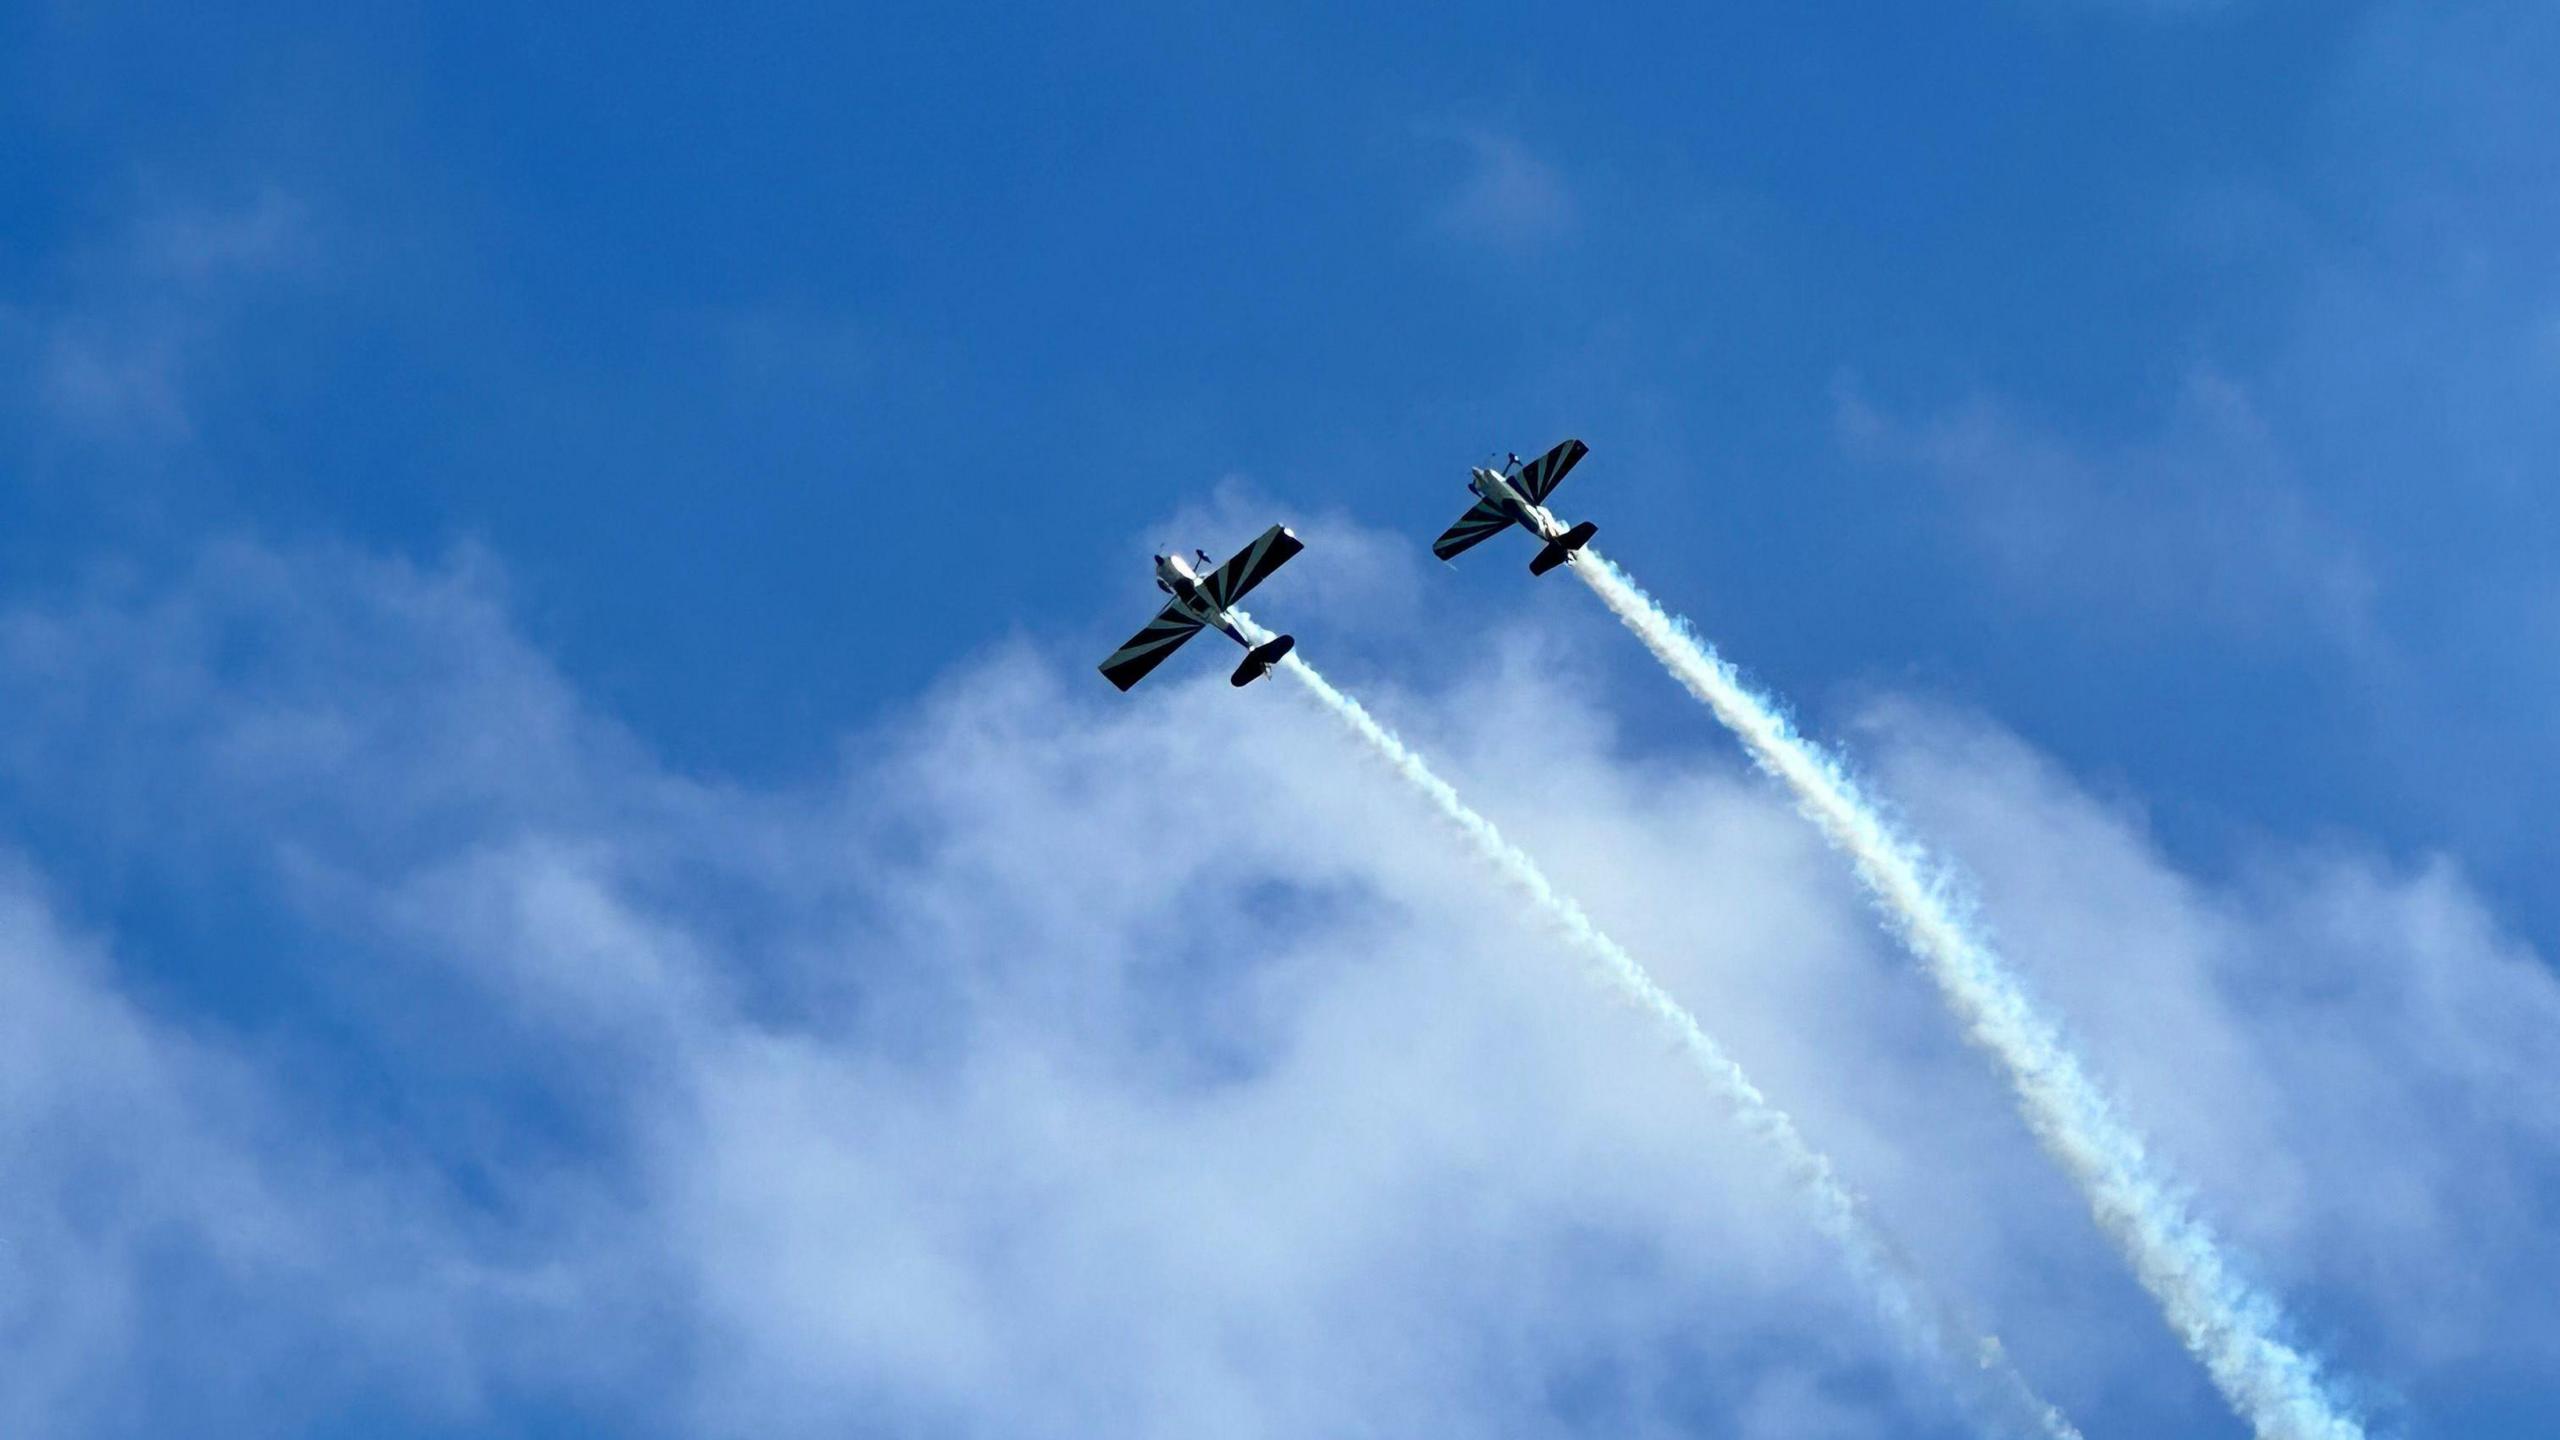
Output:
[[1259, 660], [1562, 547]]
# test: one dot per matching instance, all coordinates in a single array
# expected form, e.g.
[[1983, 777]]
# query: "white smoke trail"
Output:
[[1994, 1385], [2230, 1326]]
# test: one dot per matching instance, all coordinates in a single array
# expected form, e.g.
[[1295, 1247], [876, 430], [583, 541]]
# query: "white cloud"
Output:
[[268, 232], [105, 378], [2345, 1050], [2203, 524], [176, 1246], [116, 338], [1077, 1065], [1505, 198]]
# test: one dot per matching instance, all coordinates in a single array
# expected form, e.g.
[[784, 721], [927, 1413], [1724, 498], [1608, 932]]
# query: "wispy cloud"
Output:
[[114, 342], [164, 1185], [2203, 525], [1504, 196], [952, 1092], [268, 232], [2237, 1332]]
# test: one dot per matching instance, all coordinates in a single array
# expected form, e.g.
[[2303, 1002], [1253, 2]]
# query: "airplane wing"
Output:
[[1538, 480], [1471, 530], [1146, 650], [1250, 566]]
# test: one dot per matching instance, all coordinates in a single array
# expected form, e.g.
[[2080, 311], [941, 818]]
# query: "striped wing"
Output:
[[1250, 566], [1146, 650], [1471, 530], [1538, 481]]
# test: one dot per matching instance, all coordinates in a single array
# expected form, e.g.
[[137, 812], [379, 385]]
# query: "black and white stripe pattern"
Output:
[[1250, 566], [1538, 481], [1472, 528], [1146, 650]]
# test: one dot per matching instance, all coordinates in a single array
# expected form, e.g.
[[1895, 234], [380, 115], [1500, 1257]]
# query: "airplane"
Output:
[[1207, 599], [1516, 495]]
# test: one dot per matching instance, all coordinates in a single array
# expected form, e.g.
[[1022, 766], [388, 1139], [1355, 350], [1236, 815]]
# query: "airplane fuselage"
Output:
[[1498, 491], [1176, 578]]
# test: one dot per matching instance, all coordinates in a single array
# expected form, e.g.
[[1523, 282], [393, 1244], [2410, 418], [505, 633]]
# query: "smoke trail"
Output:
[[2226, 1323], [1993, 1385]]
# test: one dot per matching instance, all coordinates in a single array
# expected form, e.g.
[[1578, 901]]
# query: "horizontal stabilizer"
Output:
[[1562, 547], [1259, 660]]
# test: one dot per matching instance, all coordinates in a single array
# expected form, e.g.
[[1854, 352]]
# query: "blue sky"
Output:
[[549, 569]]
